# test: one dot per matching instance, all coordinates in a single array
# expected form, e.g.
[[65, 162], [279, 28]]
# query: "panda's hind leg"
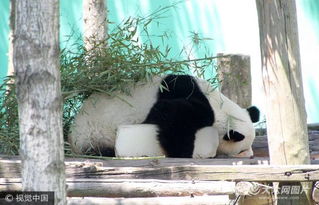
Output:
[[174, 118], [206, 142]]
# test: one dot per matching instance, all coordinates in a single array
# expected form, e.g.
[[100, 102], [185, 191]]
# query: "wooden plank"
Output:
[[134, 187], [10, 165], [149, 188], [207, 200], [206, 172], [151, 162], [178, 171]]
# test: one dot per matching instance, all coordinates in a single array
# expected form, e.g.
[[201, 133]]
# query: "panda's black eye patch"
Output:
[[233, 136]]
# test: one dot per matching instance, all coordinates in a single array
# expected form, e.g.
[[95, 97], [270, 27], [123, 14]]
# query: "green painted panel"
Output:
[[232, 25], [70, 22], [308, 22], [179, 23], [310, 8], [4, 33]]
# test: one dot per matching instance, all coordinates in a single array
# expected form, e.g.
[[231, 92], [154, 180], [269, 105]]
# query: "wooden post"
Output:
[[234, 74], [94, 23], [36, 63], [253, 193], [286, 114], [315, 192], [281, 70]]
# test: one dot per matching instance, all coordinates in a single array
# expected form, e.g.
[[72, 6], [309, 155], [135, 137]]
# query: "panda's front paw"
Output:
[[206, 143], [246, 153], [209, 155]]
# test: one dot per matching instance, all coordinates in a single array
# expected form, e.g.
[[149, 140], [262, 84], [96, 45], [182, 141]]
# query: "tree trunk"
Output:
[[281, 70], [36, 64], [95, 23]]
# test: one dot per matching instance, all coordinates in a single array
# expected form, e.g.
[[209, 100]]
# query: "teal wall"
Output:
[[180, 22], [308, 20], [231, 24], [70, 22], [4, 31]]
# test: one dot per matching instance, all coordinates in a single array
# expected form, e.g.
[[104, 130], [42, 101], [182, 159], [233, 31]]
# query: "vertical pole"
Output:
[[282, 80]]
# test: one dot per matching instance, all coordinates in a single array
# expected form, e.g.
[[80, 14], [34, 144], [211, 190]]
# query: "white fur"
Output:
[[137, 141], [206, 143], [96, 123]]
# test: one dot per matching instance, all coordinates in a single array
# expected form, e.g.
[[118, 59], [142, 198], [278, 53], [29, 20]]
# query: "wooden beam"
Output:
[[171, 169], [205, 172], [208, 200], [149, 188], [13, 162], [134, 187]]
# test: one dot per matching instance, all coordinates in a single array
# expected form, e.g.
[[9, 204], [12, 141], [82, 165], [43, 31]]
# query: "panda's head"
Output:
[[237, 136], [234, 124]]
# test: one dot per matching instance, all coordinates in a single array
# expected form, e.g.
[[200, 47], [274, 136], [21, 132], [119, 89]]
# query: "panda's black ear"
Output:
[[253, 113]]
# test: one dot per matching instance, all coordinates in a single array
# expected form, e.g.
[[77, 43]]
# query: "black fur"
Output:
[[181, 86], [253, 113], [107, 151], [180, 111], [101, 151], [233, 136]]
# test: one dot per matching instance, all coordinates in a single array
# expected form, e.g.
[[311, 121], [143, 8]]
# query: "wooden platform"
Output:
[[172, 181], [210, 181], [233, 169]]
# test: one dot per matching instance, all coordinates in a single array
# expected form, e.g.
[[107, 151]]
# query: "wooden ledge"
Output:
[[176, 169]]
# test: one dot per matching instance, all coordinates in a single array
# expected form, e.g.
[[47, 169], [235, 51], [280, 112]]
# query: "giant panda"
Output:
[[201, 111]]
